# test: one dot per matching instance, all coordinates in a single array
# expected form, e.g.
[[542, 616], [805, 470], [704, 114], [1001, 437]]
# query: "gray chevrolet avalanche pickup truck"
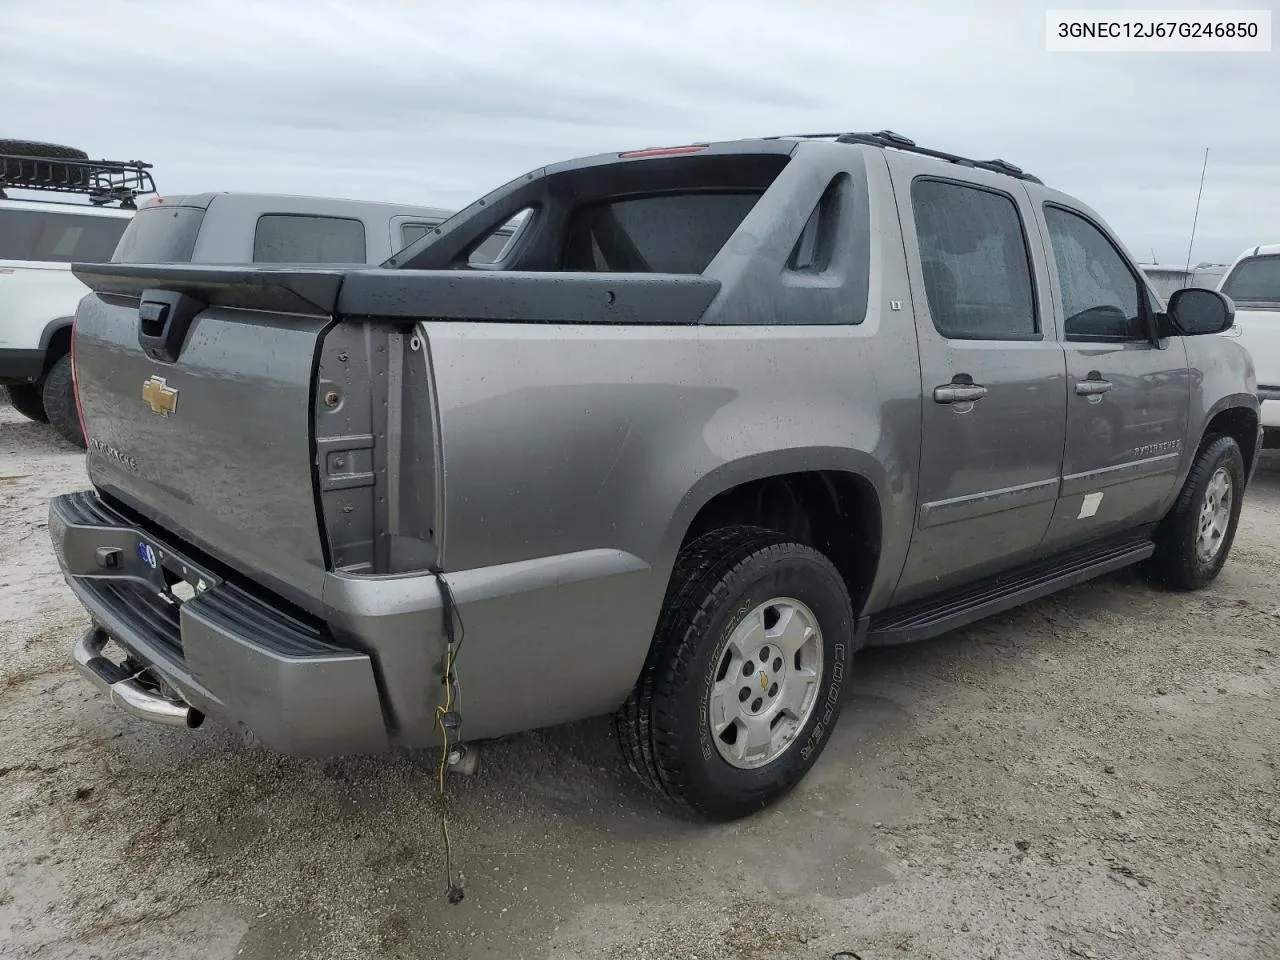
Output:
[[716, 418]]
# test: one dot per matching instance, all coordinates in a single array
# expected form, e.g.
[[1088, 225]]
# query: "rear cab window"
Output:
[[160, 234], [652, 211], [666, 233], [1255, 280], [306, 238], [37, 236]]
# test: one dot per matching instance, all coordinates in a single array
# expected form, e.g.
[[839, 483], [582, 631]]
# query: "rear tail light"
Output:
[[75, 380]]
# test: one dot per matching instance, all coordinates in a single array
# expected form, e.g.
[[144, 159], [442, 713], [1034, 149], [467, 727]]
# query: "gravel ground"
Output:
[[1094, 775]]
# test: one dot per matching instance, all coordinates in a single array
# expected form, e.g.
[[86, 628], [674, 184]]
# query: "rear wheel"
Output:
[[26, 399], [1194, 540], [60, 401], [744, 679]]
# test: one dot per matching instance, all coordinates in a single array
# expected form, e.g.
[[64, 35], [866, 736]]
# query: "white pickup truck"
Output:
[[1253, 282]]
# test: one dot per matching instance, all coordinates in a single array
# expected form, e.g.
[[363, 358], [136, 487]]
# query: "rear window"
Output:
[[669, 233], [160, 235], [1255, 280], [57, 237], [301, 238]]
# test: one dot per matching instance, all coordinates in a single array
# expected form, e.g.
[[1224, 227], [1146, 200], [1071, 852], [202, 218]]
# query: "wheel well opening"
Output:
[[1241, 425], [59, 344], [834, 512]]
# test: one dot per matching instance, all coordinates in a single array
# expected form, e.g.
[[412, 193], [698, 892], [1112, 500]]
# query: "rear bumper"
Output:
[[547, 641], [226, 652], [20, 366]]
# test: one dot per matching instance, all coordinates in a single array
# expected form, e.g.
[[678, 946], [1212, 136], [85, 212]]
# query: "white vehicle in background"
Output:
[[1166, 278], [1253, 282], [39, 240]]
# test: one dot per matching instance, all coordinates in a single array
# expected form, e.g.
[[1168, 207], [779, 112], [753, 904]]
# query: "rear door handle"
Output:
[[1092, 388], [959, 393]]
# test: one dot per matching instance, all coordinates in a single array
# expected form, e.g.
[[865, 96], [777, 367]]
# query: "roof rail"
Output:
[[887, 138], [102, 181]]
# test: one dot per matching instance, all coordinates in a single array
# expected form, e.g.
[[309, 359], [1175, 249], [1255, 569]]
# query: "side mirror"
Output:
[[1195, 311]]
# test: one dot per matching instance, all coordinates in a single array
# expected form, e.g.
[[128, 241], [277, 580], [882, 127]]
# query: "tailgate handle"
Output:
[[164, 318]]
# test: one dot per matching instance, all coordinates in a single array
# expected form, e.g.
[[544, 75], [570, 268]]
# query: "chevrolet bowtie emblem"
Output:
[[159, 396]]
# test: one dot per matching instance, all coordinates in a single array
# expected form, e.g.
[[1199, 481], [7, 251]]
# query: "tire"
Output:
[[60, 402], [720, 581], [1182, 560], [16, 173], [26, 399]]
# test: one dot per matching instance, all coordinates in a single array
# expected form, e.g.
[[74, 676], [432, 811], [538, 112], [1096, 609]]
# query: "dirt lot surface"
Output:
[[1094, 775]]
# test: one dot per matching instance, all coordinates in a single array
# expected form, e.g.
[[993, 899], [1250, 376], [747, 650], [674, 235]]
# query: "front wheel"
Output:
[[745, 675], [1194, 540]]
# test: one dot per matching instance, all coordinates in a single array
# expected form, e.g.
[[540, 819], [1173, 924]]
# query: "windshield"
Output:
[[1256, 280]]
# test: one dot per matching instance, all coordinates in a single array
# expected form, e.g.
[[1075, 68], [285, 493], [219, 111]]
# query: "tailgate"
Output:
[[196, 390]]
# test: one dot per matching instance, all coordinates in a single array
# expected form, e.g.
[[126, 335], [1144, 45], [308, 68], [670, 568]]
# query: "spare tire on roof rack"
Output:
[[30, 162]]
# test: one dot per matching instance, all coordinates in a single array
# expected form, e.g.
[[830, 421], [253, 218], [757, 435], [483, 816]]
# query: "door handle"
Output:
[[959, 393], [1092, 388]]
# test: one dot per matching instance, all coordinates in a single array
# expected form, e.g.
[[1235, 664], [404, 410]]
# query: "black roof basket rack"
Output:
[[887, 138], [102, 181]]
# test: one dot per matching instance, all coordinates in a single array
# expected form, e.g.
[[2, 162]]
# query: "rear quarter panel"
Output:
[[564, 439]]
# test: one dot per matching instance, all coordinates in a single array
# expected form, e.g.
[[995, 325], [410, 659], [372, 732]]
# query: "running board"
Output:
[[956, 608]]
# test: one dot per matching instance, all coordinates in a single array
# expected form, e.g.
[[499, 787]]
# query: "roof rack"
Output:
[[887, 138], [102, 181]]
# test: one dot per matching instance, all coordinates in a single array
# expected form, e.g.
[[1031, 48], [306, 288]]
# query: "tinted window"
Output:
[[977, 272], [58, 237], [1100, 294], [160, 235], [672, 233], [298, 238], [1256, 279]]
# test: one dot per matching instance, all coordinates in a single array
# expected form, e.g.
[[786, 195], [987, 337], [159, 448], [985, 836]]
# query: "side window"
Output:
[[58, 237], [301, 238], [977, 268], [19, 232], [1101, 297]]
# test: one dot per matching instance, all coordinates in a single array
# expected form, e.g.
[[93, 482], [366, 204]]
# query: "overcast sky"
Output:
[[437, 102]]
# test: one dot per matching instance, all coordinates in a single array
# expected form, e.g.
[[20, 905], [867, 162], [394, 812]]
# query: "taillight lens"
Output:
[[75, 380]]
